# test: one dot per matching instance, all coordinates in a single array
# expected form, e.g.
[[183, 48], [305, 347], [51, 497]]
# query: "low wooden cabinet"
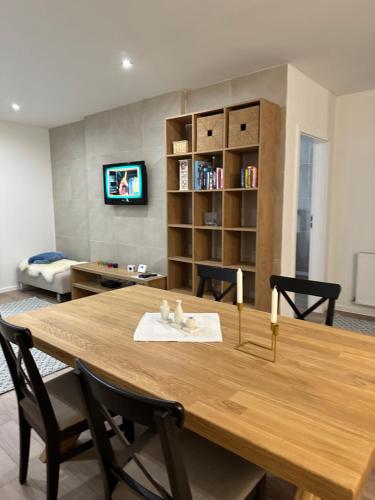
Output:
[[86, 278]]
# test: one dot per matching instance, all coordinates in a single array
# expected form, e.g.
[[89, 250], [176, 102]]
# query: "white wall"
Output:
[[309, 109], [26, 203], [352, 226]]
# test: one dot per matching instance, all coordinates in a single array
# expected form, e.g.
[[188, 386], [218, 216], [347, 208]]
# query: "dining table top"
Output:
[[308, 418]]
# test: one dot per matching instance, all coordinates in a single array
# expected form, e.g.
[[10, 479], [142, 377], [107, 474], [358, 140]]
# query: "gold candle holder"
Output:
[[244, 346]]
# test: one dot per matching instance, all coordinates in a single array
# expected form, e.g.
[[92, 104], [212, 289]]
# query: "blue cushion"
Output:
[[46, 258]]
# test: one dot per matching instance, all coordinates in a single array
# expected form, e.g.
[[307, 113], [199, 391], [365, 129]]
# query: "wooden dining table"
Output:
[[308, 418]]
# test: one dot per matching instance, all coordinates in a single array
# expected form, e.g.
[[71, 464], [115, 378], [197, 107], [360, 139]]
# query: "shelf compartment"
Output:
[[240, 209], [214, 159], [234, 161], [180, 207], [173, 172], [91, 286], [180, 276], [180, 243], [207, 201], [208, 246], [179, 129], [239, 250]]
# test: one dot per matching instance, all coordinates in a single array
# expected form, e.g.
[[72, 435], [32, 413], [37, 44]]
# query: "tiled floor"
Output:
[[79, 478]]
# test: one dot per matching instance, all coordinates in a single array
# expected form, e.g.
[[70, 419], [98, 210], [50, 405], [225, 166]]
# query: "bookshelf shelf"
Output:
[[249, 147], [179, 155], [210, 262], [178, 258], [242, 228], [245, 216], [186, 226], [241, 189]]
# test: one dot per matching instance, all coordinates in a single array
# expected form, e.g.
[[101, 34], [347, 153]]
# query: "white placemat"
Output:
[[151, 328]]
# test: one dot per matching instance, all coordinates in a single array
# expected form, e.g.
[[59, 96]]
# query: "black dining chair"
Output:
[[165, 461], [207, 275], [51, 409], [326, 291]]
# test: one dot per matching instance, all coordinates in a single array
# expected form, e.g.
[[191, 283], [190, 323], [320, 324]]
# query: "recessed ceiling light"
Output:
[[16, 107], [127, 63]]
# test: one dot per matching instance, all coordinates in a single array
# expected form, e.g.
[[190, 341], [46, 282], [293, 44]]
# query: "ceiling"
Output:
[[60, 59]]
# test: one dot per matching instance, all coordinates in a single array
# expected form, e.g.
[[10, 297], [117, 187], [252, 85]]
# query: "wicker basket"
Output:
[[210, 132], [243, 126]]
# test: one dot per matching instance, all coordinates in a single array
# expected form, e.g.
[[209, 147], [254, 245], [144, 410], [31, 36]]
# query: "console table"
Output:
[[85, 279]]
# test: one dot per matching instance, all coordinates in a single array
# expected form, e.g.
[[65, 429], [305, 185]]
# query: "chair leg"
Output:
[[261, 489], [25, 431], [53, 470]]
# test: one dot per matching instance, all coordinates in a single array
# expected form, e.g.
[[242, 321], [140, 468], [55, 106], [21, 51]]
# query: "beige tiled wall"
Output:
[[88, 229]]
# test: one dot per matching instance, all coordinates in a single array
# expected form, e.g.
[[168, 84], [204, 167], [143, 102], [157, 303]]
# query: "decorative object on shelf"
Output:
[[210, 218], [131, 268], [180, 147], [165, 311], [243, 127], [107, 264], [142, 268], [184, 167], [245, 346], [108, 283], [179, 313], [210, 132]]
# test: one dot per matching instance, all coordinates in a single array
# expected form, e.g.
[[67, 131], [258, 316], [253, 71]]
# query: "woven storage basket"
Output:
[[243, 126], [210, 132]]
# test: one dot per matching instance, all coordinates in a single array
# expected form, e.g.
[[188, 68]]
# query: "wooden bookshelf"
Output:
[[244, 234]]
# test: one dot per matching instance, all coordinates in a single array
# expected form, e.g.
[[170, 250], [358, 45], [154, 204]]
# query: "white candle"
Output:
[[239, 287], [275, 297]]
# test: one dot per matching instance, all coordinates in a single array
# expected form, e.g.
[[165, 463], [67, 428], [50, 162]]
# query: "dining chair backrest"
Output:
[[16, 343], [326, 291], [208, 274], [160, 417]]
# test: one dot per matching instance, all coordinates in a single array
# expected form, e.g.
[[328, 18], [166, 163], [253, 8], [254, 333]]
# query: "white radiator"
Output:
[[365, 285]]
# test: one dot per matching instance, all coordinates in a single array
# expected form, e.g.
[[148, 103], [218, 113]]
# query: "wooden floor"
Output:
[[79, 478]]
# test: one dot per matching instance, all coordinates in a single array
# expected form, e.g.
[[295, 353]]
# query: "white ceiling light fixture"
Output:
[[127, 63], [16, 107]]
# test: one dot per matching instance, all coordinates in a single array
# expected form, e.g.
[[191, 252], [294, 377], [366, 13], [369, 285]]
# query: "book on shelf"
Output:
[[207, 176], [249, 177], [184, 168]]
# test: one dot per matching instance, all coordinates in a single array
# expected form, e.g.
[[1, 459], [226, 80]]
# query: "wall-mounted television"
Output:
[[125, 183]]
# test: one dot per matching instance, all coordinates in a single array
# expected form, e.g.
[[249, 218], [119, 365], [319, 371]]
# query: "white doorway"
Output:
[[312, 212]]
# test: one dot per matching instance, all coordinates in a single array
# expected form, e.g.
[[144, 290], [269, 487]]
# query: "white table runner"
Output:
[[151, 328]]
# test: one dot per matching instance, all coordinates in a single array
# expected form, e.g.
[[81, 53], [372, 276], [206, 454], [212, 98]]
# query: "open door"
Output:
[[312, 213]]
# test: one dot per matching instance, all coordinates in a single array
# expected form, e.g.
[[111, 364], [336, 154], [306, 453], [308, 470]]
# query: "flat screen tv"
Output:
[[125, 183]]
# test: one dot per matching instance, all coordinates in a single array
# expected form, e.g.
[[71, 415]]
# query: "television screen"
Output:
[[125, 183]]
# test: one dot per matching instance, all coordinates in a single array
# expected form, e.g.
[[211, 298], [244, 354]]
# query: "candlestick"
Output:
[[266, 350], [274, 304], [239, 286]]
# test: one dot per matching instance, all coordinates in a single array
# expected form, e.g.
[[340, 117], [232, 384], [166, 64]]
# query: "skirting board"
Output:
[[9, 289], [356, 309]]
